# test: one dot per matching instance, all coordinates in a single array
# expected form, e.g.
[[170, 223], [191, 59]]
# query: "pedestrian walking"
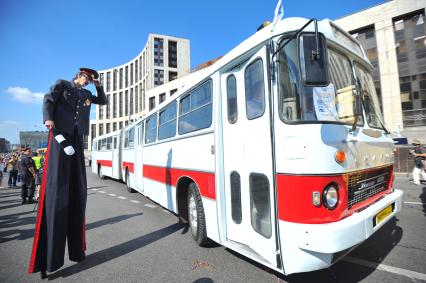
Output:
[[419, 154], [63, 195], [28, 175]]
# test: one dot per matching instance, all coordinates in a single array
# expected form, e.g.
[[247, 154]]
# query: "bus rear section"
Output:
[[106, 155]]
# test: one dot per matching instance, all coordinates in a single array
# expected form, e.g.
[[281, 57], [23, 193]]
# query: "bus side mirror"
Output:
[[313, 59]]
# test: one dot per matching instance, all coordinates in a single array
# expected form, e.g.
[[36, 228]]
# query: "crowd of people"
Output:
[[25, 168]]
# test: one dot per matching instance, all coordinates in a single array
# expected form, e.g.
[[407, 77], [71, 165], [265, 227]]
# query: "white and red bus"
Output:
[[277, 151], [106, 150]]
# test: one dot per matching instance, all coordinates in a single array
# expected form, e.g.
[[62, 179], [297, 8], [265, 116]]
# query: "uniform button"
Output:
[[78, 106], [75, 118]]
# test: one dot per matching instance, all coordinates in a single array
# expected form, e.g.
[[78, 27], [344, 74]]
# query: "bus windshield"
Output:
[[335, 102], [369, 97]]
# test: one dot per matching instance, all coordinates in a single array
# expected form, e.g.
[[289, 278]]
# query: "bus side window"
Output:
[[151, 129], [131, 137], [140, 126], [103, 144], [126, 139], [167, 122], [236, 197], [260, 204], [231, 90], [115, 142], [195, 110], [254, 90], [109, 143]]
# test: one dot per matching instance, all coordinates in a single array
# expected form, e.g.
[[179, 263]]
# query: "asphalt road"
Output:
[[131, 239]]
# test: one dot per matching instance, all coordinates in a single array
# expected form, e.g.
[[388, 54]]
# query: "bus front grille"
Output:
[[365, 184]]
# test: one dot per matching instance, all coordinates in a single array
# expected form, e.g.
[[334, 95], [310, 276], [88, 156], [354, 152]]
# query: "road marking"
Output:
[[102, 192], [388, 268], [121, 197], [410, 202], [150, 205], [135, 201], [94, 189], [113, 195]]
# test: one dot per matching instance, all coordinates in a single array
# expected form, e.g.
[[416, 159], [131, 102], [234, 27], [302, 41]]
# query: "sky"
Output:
[[45, 40]]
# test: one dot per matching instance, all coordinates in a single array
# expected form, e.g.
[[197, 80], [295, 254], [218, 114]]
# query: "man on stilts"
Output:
[[63, 195]]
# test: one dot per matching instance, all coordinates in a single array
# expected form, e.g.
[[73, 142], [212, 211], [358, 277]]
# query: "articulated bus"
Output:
[[277, 151]]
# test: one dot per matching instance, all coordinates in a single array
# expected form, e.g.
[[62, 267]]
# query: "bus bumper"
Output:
[[308, 247]]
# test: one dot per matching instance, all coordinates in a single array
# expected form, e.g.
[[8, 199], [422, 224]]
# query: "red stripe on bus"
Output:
[[295, 198], [170, 176], [130, 165], [105, 163]]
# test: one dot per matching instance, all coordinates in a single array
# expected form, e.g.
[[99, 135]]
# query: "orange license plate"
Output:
[[383, 214]]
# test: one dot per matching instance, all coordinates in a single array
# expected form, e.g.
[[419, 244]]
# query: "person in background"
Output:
[[1, 170], [13, 171], [38, 161], [63, 194], [28, 175], [419, 154]]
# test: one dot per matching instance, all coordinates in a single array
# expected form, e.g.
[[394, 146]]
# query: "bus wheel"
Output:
[[129, 189], [100, 172], [197, 221]]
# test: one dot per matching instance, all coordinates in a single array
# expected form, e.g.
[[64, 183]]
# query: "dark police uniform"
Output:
[[27, 178], [63, 195]]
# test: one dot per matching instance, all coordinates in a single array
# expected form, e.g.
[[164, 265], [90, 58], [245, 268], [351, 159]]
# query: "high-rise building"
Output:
[[4, 145], [164, 58], [33, 139], [393, 35]]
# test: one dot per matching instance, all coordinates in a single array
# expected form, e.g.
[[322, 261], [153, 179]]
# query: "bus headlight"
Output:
[[330, 196]]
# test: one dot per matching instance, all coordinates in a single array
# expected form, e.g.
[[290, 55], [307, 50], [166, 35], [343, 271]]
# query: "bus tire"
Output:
[[196, 217], [101, 176], [129, 189]]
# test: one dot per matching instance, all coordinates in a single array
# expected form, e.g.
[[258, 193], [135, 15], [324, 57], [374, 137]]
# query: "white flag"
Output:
[[279, 13]]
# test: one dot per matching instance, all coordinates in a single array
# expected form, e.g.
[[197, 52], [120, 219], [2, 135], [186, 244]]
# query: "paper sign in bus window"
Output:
[[324, 102]]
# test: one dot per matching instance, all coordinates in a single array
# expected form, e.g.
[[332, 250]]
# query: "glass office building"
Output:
[[393, 35]]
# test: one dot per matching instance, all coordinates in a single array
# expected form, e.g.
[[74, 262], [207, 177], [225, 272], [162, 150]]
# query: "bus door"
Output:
[[248, 170], [138, 177], [115, 157]]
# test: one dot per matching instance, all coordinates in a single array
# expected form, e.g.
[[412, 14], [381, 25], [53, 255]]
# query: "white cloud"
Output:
[[25, 95], [9, 124]]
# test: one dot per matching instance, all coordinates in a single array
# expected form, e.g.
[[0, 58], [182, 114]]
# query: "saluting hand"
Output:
[[49, 124], [96, 82]]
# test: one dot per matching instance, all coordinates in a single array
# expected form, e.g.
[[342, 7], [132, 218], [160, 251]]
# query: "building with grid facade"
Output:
[[164, 59], [393, 35]]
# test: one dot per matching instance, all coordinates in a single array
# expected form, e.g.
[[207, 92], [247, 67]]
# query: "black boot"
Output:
[[43, 274], [24, 201]]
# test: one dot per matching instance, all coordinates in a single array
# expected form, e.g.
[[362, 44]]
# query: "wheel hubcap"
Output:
[[193, 214]]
